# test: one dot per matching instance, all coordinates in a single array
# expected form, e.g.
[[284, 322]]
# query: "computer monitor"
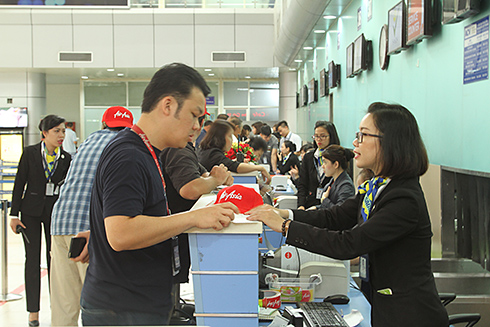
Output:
[[397, 28], [13, 117], [419, 21], [363, 54], [312, 91], [349, 61], [333, 75], [454, 11], [304, 95], [323, 83]]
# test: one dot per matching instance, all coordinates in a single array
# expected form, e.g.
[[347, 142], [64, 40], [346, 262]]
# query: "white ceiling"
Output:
[[73, 75]]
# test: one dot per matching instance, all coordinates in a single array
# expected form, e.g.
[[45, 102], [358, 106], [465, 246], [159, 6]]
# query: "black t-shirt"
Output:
[[180, 166], [214, 157], [127, 183]]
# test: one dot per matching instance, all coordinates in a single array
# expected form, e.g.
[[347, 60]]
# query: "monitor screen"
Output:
[[349, 60], [418, 12], [304, 95], [13, 117], [323, 85], [333, 77], [397, 36], [359, 54], [312, 93]]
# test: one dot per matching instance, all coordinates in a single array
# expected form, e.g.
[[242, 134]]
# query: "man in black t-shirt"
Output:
[[132, 262], [186, 181]]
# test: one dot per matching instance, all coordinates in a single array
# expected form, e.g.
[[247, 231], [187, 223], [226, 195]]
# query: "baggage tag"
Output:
[[364, 267], [175, 256], [49, 189], [319, 193]]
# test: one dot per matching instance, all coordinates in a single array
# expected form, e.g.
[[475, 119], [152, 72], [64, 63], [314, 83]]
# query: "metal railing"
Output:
[[5, 296]]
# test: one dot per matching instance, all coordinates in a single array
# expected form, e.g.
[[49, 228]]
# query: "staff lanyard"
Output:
[[46, 165], [145, 139]]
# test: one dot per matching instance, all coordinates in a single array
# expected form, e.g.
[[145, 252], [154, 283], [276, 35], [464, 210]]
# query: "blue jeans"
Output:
[[92, 316]]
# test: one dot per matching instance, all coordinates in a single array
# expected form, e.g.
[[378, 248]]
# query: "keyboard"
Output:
[[321, 314]]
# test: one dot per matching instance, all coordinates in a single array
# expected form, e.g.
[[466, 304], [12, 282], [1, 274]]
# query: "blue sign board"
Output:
[[210, 100], [476, 51]]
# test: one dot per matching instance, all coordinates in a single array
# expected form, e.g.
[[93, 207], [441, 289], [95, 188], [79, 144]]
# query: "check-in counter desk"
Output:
[[225, 272]]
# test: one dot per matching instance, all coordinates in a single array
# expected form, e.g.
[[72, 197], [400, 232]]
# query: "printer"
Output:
[[290, 261]]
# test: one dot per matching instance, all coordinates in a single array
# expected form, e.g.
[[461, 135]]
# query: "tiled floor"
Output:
[[13, 313]]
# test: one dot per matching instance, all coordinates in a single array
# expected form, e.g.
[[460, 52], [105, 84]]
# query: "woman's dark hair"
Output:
[[403, 152], [176, 80], [258, 143], [307, 147], [216, 136], [49, 122], [332, 131], [290, 145], [246, 128], [340, 154]]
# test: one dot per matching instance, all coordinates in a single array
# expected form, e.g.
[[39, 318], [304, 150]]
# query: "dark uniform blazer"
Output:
[[286, 167], [308, 183], [397, 237], [31, 172], [340, 190]]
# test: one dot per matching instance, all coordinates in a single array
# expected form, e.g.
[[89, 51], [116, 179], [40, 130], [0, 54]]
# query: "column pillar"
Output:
[[26, 90], [287, 98]]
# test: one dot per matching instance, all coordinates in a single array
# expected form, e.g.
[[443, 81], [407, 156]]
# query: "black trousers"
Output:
[[32, 272]]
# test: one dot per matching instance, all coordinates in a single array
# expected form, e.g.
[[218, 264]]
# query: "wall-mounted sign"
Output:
[[476, 51], [210, 100]]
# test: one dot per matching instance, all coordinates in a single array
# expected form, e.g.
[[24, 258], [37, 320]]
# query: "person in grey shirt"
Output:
[[270, 156]]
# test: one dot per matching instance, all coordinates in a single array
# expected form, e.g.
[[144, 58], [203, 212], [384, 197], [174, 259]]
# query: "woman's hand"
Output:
[[311, 208], [301, 208], [294, 172], [14, 222], [268, 215], [326, 194], [83, 257]]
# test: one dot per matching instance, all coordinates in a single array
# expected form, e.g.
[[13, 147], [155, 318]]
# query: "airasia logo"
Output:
[[121, 114], [305, 296], [272, 303], [288, 255], [226, 196]]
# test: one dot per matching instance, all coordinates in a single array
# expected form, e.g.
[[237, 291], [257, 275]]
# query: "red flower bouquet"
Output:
[[247, 151]]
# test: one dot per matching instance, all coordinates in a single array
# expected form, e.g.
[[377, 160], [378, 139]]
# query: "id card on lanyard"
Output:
[[320, 177], [175, 239], [51, 190]]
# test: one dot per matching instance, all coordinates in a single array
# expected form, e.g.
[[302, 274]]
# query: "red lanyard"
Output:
[[145, 139]]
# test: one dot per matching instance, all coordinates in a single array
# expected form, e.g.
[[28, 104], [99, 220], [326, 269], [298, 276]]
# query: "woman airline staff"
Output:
[[387, 222], [42, 167]]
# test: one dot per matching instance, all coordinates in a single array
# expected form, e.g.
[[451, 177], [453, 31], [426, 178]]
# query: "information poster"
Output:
[[476, 51]]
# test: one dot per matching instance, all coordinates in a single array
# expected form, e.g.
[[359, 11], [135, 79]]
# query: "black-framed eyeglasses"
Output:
[[360, 136], [320, 137]]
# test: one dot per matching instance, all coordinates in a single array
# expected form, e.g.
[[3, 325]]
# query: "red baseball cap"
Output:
[[245, 198], [118, 116]]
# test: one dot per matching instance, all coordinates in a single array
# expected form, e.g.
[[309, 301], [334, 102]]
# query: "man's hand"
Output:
[[265, 175], [83, 257], [216, 216], [220, 173]]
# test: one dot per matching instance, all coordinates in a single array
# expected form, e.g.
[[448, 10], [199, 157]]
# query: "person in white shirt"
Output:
[[287, 135], [70, 142]]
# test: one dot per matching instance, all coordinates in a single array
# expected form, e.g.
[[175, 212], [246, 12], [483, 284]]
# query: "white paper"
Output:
[[354, 318]]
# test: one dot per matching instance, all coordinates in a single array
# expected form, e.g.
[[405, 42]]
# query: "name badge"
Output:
[[175, 256], [319, 192], [364, 267], [49, 189]]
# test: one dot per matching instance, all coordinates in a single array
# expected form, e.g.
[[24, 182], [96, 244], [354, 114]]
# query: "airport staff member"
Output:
[[133, 249], [387, 222], [41, 172]]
